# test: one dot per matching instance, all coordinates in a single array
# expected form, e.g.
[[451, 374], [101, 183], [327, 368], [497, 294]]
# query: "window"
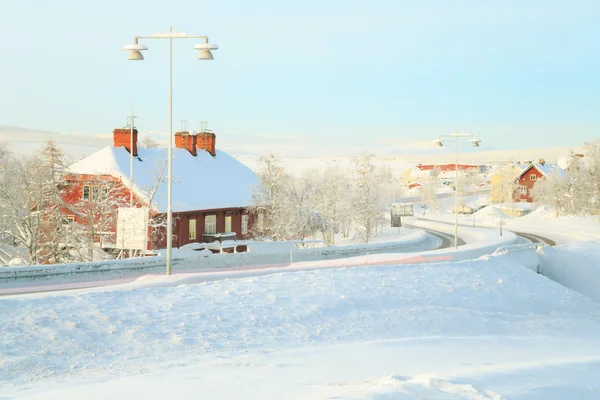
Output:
[[244, 224], [95, 190], [192, 226], [260, 221], [227, 223], [210, 224], [68, 220], [532, 177], [86, 192], [104, 192], [523, 189]]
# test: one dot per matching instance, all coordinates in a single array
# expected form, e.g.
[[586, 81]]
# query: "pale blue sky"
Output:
[[520, 73]]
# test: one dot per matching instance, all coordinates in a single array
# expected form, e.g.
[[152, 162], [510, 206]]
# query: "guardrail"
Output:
[[194, 261], [525, 254]]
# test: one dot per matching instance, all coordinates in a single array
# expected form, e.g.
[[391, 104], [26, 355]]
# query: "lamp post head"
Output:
[[205, 50], [135, 51], [475, 142], [438, 142]]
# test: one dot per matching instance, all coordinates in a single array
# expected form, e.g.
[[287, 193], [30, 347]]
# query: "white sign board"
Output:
[[132, 228], [402, 209]]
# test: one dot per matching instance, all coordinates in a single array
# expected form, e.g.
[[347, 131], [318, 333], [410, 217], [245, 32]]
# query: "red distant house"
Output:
[[451, 167], [533, 173], [211, 189]]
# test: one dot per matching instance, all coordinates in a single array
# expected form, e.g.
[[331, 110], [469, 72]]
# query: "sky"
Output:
[[313, 77]]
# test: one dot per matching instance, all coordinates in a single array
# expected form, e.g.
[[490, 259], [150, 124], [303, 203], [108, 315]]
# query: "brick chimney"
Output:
[[206, 141], [186, 140], [122, 138]]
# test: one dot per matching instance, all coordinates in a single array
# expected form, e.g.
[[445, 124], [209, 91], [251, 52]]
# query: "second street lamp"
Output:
[[135, 53], [454, 137]]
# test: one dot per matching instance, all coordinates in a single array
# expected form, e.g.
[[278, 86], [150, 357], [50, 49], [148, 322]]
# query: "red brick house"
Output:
[[211, 189], [533, 173]]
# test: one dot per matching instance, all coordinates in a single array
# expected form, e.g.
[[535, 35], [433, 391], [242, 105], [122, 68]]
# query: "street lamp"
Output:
[[440, 143], [135, 53]]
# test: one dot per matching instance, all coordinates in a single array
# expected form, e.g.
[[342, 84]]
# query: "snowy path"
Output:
[[462, 330]]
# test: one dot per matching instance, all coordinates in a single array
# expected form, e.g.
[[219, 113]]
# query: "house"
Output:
[[576, 161], [531, 174], [211, 190], [502, 179], [444, 171]]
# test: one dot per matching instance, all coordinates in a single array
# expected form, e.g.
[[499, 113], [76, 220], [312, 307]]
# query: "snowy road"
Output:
[[533, 238]]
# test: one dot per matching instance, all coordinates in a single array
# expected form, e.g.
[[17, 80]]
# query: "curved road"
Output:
[[447, 239], [529, 236]]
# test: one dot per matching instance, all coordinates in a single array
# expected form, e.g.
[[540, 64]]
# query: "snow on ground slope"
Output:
[[576, 266], [484, 329]]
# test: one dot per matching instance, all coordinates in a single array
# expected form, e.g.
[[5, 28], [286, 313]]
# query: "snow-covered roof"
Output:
[[551, 171], [199, 183]]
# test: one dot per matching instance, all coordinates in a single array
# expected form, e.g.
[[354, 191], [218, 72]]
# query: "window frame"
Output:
[[532, 177], [228, 221], [212, 223], [89, 192], [95, 193], [244, 224], [192, 229], [523, 190]]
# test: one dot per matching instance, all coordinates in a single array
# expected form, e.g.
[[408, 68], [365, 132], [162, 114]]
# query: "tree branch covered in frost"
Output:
[[580, 193], [328, 202]]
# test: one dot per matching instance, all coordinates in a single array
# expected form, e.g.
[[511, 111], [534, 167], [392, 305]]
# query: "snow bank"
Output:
[[490, 213], [419, 319], [576, 266]]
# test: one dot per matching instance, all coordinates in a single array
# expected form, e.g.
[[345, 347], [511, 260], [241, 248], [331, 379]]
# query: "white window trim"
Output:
[[532, 177], [229, 218], [192, 227], [211, 224], [244, 224]]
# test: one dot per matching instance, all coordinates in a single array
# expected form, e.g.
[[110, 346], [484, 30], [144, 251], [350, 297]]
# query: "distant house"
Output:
[[211, 189], [502, 177], [444, 171], [574, 162], [532, 174]]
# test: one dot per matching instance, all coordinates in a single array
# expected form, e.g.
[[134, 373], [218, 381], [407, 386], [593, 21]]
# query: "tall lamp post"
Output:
[[135, 54], [454, 137]]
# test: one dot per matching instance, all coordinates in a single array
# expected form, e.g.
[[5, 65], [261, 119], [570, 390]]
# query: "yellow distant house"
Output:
[[507, 173]]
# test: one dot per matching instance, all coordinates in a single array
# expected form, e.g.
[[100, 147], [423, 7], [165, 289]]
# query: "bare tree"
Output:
[[148, 143], [367, 185]]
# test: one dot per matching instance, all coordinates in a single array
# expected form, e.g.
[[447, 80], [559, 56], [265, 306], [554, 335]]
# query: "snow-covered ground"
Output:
[[482, 329]]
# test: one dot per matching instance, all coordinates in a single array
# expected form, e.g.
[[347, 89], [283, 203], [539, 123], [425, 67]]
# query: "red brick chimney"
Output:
[[122, 138], [186, 140], [206, 141]]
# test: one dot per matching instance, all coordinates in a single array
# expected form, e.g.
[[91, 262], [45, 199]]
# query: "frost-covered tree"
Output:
[[552, 191], [332, 198], [148, 143], [271, 199], [97, 215], [429, 189], [32, 225], [367, 187]]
